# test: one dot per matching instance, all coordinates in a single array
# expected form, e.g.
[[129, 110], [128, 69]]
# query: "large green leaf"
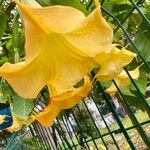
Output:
[[132, 95], [3, 23], [22, 107], [141, 82], [135, 101], [142, 42]]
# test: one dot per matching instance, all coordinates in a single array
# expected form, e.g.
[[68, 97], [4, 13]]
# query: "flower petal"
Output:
[[50, 57], [112, 63], [64, 101], [58, 19], [122, 80], [16, 126], [93, 35], [27, 79]]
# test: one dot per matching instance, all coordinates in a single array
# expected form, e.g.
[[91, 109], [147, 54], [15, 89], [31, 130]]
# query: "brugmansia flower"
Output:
[[2, 119], [122, 80], [112, 62], [60, 45], [63, 51], [65, 100]]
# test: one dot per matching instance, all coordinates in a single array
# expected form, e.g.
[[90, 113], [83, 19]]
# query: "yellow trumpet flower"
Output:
[[122, 80], [60, 43], [112, 62], [65, 100]]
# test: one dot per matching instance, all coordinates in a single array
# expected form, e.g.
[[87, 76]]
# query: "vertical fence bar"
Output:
[[64, 137], [73, 129], [95, 125], [62, 142], [87, 128], [133, 118], [106, 124], [78, 124], [43, 136], [68, 131], [117, 117], [33, 135]]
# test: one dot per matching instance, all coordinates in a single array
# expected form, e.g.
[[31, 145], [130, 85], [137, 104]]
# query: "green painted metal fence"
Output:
[[103, 122]]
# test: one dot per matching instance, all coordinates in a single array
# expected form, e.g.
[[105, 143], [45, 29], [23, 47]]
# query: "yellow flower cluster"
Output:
[[62, 46]]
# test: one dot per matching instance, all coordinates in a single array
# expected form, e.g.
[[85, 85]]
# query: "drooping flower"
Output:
[[112, 62], [65, 100], [60, 44], [123, 80]]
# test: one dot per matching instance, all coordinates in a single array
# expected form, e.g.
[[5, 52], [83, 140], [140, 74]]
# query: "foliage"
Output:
[[29, 143], [22, 107], [3, 24], [5, 92], [138, 30], [85, 126]]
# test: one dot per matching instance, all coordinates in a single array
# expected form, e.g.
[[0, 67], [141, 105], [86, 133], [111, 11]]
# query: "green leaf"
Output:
[[45, 2], [141, 82], [5, 92], [3, 23], [3, 60], [132, 95], [135, 101], [110, 5], [134, 22], [16, 38], [73, 3], [142, 43], [145, 25], [121, 7], [22, 107]]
